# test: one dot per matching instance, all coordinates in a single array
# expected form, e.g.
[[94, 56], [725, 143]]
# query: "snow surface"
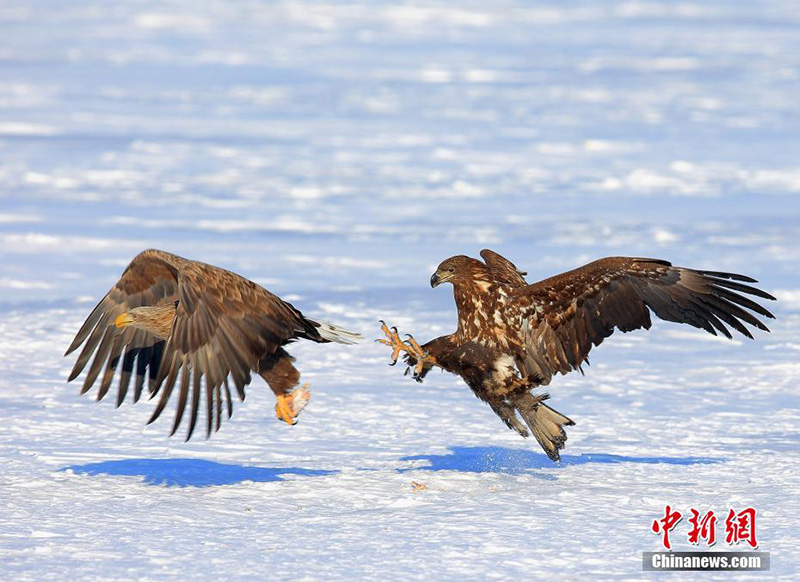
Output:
[[336, 152]]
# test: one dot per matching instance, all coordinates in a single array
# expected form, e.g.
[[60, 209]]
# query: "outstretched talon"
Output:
[[289, 405], [416, 354], [393, 341]]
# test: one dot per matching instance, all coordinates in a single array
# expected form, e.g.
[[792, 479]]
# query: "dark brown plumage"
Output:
[[181, 323], [513, 337]]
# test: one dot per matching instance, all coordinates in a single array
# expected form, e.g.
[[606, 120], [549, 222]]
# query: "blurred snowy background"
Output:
[[335, 153]]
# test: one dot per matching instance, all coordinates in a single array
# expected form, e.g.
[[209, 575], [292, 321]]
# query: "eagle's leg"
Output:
[[416, 354], [278, 371], [522, 384], [508, 415]]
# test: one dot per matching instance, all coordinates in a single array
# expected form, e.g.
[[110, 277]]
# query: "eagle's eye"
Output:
[[452, 269]]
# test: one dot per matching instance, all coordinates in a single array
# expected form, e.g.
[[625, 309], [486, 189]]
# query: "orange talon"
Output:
[[393, 341], [289, 405], [415, 351], [419, 354]]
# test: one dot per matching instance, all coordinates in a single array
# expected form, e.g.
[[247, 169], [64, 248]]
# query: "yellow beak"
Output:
[[123, 320]]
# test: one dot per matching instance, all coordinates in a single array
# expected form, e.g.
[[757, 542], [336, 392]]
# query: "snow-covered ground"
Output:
[[336, 152]]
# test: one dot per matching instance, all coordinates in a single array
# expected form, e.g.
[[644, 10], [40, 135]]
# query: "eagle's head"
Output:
[[154, 319], [455, 269]]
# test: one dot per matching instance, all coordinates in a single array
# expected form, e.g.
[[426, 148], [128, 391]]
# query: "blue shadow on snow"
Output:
[[190, 472], [517, 461]]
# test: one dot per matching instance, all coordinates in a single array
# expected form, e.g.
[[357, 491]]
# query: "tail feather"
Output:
[[546, 424], [334, 333]]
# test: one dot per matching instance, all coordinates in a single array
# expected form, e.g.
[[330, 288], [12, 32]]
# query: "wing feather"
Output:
[[228, 398], [113, 361], [155, 362], [502, 269], [128, 361], [728, 313], [88, 350], [168, 381], [744, 302], [100, 358], [183, 393], [142, 363]]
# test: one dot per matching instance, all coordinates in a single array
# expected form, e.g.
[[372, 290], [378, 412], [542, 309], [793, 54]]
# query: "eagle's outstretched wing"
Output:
[[224, 324], [502, 269], [564, 316]]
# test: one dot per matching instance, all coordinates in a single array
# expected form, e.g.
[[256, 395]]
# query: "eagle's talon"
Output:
[[393, 341], [290, 405], [416, 357]]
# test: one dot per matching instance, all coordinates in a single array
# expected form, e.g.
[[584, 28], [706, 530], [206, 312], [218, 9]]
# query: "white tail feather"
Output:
[[334, 333]]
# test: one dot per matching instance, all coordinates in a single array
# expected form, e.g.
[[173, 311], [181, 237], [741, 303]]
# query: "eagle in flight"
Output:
[[182, 323], [513, 337]]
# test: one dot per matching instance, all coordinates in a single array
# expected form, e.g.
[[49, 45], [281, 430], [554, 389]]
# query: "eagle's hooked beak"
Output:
[[441, 276], [123, 320]]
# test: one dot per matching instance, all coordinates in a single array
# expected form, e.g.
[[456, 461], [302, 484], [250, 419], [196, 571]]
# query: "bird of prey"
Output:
[[513, 337], [183, 323]]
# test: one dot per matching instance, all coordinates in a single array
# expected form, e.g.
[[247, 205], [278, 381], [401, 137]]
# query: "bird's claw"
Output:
[[416, 356], [290, 405], [393, 341]]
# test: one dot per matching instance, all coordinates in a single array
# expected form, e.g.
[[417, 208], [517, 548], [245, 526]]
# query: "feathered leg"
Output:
[[278, 371], [508, 415]]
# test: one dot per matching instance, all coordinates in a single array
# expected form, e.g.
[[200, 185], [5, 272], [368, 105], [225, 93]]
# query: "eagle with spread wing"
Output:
[[180, 323], [513, 337]]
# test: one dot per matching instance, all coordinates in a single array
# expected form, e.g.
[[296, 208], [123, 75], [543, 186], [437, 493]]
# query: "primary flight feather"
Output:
[[513, 337]]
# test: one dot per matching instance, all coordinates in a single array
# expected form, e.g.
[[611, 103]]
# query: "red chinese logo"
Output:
[[704, 528], [739, 527], [666, 524]]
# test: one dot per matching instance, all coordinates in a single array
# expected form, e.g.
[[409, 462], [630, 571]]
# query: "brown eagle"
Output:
[[513, 337], [169, 317]]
